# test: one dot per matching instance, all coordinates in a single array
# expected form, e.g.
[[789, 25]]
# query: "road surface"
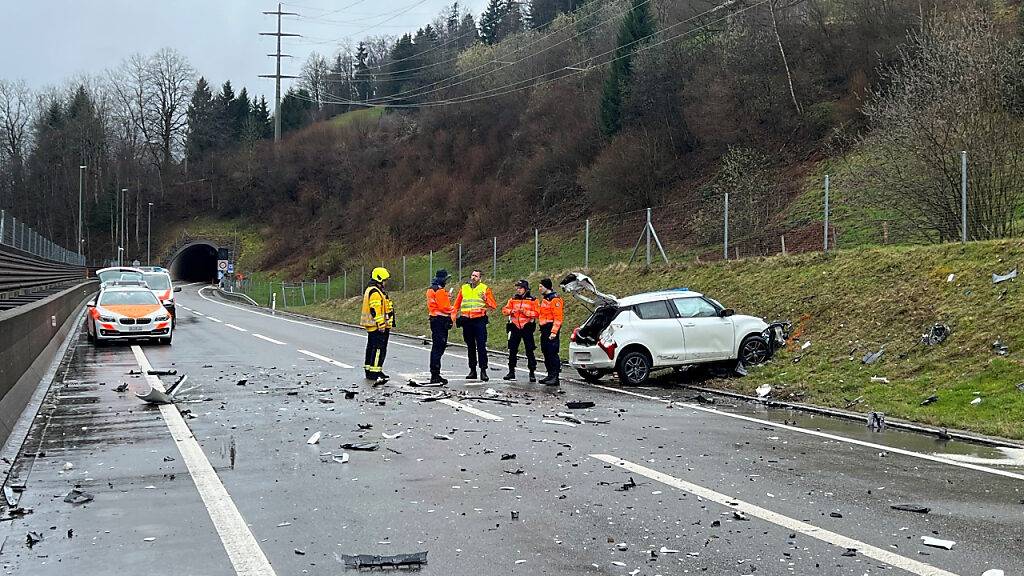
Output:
[[225, 482]]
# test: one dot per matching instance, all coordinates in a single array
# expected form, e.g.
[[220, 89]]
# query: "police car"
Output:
[[128, 310]]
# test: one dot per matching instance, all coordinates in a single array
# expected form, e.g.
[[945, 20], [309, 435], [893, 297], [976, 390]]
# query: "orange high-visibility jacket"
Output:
[[474, 302], [521, 310], [438, 303], [551, 311]]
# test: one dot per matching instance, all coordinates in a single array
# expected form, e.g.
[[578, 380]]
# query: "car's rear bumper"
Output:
[[589, 358]]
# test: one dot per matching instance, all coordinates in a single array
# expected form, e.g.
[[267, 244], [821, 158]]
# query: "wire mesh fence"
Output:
[[17, 234]]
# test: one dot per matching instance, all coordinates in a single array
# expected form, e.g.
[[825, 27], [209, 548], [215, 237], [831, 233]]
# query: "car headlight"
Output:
[[107, 319], [162, 318]]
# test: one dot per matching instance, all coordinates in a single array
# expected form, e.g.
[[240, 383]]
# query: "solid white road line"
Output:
[[930, 457], [470, 410], [271, 340], [324, 358], [244, 552], [233, 327], [214, 319], [879, 554], [818, 433]]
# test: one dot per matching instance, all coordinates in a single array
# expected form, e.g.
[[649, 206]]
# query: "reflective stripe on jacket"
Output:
[[474, 302], [551, 311], [521, 310], [378, 311]]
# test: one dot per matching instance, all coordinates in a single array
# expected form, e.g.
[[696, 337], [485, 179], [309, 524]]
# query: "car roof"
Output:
[[119, 269], [127, 288], [659, 295]]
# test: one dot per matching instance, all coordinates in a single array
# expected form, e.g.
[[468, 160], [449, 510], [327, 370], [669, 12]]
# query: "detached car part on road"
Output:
[[636, 335], [122, 312]]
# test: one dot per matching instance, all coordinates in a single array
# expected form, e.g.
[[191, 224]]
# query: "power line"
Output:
[[378, 24], [278, 76]]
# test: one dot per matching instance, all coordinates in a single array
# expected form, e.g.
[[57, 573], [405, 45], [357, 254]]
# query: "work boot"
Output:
[[511, 374], [483, 375], [552, 381], [546, 379], [383, 376], [533, 377], [437, 379], [370, 375], [472, 374]]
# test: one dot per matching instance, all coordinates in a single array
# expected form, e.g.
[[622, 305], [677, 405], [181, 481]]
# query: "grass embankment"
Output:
[[846, 305]]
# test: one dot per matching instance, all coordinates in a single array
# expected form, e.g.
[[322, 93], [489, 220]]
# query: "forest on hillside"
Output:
[[539, 113]]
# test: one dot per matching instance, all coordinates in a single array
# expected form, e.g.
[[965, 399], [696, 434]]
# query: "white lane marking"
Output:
[[324, 358], [219, 321], [470, 409], [271, 340], [244, 552], [818, 433], [198, 313], [184, 307], [696, 407], [233, 327], [879, 554]]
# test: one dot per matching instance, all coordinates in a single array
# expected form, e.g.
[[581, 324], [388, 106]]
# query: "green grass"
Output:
[[361, 115], [251, 241], [846, 304]]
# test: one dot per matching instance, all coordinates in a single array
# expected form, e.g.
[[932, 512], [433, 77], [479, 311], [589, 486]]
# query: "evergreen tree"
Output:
[[202, 135], [361, 78], [403, 61], [513, 20], [296, 109], [452, 22], [637, 26], [490, 21], [260, 119], [468, 32], [239, 112], [543, 12], [225, 106]]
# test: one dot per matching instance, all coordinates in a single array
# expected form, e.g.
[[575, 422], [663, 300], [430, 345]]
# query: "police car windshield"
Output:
[[113, 275], [157, 281], [115, 298]]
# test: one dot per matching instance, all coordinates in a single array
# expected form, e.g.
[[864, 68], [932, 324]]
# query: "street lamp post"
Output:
[[120, 249], [149, 229], [81, 171]]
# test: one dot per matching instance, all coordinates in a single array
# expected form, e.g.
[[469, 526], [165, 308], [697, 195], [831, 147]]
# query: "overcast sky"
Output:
[[47, 42]]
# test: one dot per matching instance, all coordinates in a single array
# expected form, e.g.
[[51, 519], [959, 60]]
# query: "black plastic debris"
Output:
[[740, 369], [33, 538], [627, 485], [850, 552], [876, 421], [736, 514], [300, 552], [1020, 386], [77, 496], [350, 394], [930, 400], [579, 404], [241, 382], [935, 335], [508, 456], [162, 372], [395, 561], [515, 514], [999, 278], [364, 446], [365, 426], [835, 515], [416, 384], [122, 387], [1000, 348], [873, 357], [911, 508]]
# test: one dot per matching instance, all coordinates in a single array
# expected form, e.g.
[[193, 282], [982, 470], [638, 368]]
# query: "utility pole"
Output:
[[278, 76]]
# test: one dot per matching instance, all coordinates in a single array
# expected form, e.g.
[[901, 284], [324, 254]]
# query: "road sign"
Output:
[[231, 268], [222, 265]]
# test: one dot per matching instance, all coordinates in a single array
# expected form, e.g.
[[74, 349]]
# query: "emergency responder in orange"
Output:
[[522, 323], [470, 313], [551, 310], [439, 308], [378, 318]]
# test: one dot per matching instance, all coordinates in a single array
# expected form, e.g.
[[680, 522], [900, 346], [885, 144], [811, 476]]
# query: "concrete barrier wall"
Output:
[[25, 333]]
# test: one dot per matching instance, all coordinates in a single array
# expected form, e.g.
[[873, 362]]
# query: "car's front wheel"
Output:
[[592, 376], [754, 350], [634, 368]]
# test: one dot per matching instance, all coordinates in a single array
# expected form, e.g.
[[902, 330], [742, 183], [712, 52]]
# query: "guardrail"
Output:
[[22, 275], [16, 234]]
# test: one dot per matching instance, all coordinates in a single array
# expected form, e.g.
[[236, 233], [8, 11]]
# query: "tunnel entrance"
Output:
[[195, 263]]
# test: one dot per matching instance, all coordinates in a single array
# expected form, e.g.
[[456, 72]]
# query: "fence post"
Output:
[[460, 262], [725, 236], [403, 273], [586, 246], [362, 273], [826, 211], [783, 244], [963, 196], [314, 290], [328, 286], [3, 219], [302, 284], [536, 250], [647, 231], [430, 270], [495, 256]]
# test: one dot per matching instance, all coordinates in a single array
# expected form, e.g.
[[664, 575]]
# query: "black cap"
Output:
[[522, 283], [441, 276], [546, 283]]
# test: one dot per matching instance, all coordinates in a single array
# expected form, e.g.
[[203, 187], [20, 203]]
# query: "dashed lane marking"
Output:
[[271, 340], [233, 327], [325, 359], [879, 554], [217, 320], [241, 546]]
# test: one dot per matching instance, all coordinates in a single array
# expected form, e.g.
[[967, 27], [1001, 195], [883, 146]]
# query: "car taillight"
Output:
[[575, 333], [608, 347]]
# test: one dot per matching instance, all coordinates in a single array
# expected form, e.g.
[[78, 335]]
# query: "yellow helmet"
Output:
[[380, 274]]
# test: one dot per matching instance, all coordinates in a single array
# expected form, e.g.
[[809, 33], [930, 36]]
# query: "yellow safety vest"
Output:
[[474, 300], [378, 311]]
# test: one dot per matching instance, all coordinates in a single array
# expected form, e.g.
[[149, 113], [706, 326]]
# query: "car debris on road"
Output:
[[370, 561], [77, 496], [937, 334], [937, 542]]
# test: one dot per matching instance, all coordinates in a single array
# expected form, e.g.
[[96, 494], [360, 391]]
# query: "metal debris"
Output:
[[998, 278], [876, 421], [579, 404], [935, 335], [740, 516], [122, 387], [911, 508], [365, 426], [930, 400], [740, 369], [569, 417], [627, 485], [33, 538], [314, 439], [162, 372], [1000, 348], [416, 384], [371, 561], [559, 423], [508, 456], [76, 496], [442, 437], [872, 357], [343, 459], [363, 446], [849, 553], [937, 542]]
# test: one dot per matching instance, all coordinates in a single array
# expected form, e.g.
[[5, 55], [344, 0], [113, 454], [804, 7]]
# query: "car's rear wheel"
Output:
[[634, 368], [592, 376], [754, 350]]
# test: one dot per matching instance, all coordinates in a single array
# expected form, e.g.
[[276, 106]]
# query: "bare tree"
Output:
[[314, 77], [15, 118]]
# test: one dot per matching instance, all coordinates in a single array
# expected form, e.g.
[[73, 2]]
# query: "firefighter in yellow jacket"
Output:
[[378, 318]]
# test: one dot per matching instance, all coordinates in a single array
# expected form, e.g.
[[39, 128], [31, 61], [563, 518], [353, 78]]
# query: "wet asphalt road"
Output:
[[455, 498]]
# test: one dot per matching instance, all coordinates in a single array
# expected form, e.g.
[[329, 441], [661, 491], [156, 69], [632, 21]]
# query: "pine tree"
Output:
[[468, 32], [239, 112], [296, 109], [202, 135], [403, 61], [362, 78], [224, 104], [490, 21], [637, 27], [513, 20], [543, 12]]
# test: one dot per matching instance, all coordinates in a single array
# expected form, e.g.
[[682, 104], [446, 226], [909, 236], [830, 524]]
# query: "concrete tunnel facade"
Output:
[[195, 262]]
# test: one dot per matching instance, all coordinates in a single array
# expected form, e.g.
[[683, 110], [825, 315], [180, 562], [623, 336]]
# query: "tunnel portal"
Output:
[[195, 263]]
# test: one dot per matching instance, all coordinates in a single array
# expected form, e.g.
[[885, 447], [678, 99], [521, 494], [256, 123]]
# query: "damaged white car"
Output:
[[636, 335]]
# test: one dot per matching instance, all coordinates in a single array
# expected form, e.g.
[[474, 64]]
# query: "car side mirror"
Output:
[[177, 288], [90, 304], [725, 313]]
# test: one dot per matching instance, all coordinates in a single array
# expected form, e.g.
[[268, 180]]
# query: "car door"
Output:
[[707, 335], [659, 330]]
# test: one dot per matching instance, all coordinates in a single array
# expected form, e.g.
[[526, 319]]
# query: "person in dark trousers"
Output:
[[471, 306], [521, 311], [378, 318], [439, 308], [552, 314]]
